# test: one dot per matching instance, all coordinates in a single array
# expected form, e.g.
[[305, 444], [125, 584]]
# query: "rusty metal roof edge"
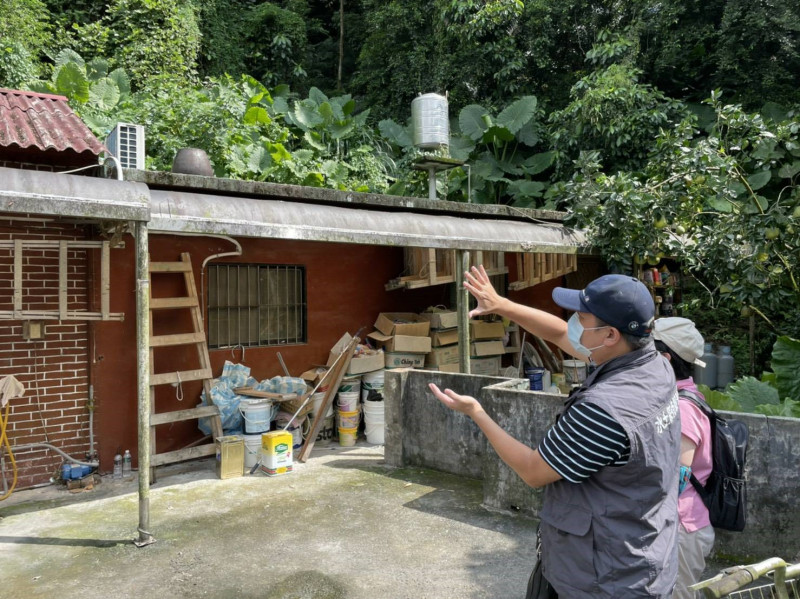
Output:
[[46, 193], [185, 212], [259, 189]]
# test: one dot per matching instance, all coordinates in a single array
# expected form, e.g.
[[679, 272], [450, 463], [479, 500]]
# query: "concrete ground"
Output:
[[342, 525]]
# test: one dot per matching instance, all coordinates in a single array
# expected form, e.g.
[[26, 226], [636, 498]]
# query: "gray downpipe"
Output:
[[462, 307]]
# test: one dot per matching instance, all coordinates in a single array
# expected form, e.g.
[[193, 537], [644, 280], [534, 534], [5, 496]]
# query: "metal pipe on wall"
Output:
[[143, 379]]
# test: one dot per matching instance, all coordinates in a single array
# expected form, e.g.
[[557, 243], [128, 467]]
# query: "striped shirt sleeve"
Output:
[[584, 440]]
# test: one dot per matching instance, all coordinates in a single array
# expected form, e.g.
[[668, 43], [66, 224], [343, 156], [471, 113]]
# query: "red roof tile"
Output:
[[31, 120]]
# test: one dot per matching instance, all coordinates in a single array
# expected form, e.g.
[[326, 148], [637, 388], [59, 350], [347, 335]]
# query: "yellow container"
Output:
[[230, 456], [347, 436], [276, 451]]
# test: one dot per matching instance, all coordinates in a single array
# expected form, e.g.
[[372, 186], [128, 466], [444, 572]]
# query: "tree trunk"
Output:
[[341, 44]]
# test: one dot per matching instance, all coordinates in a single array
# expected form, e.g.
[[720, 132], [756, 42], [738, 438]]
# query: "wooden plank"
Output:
[[249, 391], [177, 339], [161, 303], [188, 453], [333, 387], [181, 415], [63, 265], [180, 377], [105, 280], [54, 315], [170, 266], [45, 244]]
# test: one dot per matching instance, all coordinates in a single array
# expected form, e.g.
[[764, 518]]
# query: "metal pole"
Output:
[[432, 183], [462, 307], [143, 379]]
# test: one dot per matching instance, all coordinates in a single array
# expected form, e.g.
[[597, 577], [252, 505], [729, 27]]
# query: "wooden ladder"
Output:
[[197, 338]]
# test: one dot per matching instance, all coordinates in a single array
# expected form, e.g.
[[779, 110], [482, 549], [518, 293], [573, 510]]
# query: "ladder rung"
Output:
[[159, 303], [179, 339], [180, 455], [182, 377], [181, 415], [170, 266]]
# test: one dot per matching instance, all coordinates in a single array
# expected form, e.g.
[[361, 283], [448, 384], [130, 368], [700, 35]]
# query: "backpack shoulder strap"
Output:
[[711, 415], [695, 399]]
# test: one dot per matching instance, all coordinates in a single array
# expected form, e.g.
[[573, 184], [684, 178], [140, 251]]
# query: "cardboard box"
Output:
[[486, 348], [400, 360], [485, 366], [444, 337], [366, 362], [441, 320], [448, 354], [401, 343], [480, 329], [338, 347], [313, 376], [402, 323]]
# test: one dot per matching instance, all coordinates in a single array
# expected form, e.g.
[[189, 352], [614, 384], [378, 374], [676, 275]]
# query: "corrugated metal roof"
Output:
[[185, 212], [44, 121]]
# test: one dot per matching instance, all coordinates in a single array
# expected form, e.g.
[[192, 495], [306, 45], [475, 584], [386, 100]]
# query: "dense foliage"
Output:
[[666, 128]]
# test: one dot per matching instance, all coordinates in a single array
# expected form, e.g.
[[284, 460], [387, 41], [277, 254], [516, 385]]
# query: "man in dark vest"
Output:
[[610, 462]]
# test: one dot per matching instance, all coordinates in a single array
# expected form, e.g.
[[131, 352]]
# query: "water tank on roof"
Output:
[[429, 115]]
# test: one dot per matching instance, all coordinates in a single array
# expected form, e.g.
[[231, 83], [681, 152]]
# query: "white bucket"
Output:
[[257, 414], [371, 381], [252, 450], [350, 384], [317, 399], [348, 402], [575, 371], [374, 422]]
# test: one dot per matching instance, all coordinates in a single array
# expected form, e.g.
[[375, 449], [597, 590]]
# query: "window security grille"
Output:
[[256, 305]]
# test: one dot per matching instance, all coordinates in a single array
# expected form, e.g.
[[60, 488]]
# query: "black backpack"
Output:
[[725, 491]]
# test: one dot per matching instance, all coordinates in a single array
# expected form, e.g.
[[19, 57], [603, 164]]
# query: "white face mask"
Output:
[[575, 331]]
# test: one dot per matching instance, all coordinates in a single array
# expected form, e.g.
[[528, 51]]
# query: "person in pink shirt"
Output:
[[681, 344]]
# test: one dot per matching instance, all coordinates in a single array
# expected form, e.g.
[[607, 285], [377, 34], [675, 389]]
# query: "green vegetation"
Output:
[[661, 128]]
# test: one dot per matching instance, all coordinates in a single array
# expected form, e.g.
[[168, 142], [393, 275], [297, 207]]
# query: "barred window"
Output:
[[256, 305]]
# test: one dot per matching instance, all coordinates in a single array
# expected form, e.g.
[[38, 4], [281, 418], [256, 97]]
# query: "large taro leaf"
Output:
[[461, 147], [786, 365], [395, 133], [516, 114], [750, 392], [72, 82], [719, 400], [104, 94], [787, 408], [120, 77], [471, 121]]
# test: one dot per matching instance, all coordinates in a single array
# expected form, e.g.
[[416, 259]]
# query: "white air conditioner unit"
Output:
[[126, 144]]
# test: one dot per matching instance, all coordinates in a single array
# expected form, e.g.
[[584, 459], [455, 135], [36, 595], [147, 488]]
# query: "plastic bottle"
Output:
[[707, 375], [117, 466], [126, 464], [725, 367]]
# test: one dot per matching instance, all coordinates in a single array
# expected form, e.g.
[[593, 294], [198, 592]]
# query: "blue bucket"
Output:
[[257, 415], [535, 377]]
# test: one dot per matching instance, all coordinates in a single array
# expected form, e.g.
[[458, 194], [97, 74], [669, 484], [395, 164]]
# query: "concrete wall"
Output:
[[424, 434]]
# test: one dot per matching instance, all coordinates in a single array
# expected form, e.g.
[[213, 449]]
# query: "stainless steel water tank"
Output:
[[429, 116]]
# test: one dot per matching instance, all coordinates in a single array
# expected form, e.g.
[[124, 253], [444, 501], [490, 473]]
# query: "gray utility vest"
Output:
[[615, 534]]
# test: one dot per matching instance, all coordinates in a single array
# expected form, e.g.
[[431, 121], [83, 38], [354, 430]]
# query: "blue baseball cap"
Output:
[[618, 300]]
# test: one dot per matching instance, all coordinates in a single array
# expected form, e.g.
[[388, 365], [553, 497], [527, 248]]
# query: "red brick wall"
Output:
[[55, 369]]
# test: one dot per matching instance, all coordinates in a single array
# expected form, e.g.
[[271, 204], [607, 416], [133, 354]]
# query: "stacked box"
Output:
[[404, 338], [486, 347]]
